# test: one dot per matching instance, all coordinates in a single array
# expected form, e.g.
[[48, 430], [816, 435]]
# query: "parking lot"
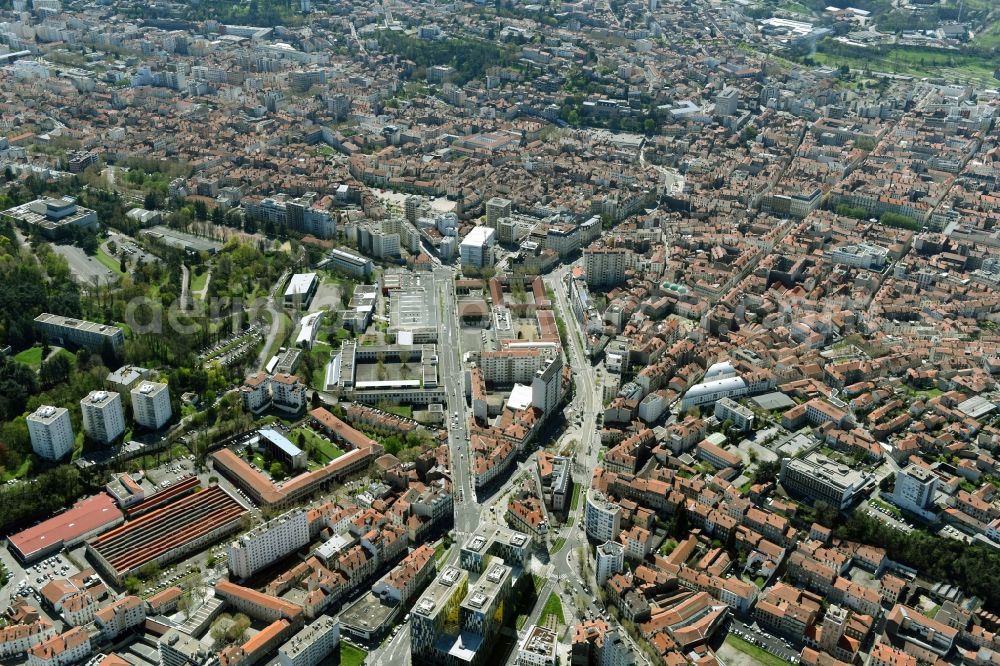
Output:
[[85, 269], [26, 583], [756, 635]]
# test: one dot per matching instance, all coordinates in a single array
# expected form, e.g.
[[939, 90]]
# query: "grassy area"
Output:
[[284, 328], [112, 264], [320, 354], [18, 473], [399, 410], [553, 607], [31, 356], [575, 502], [557, 546], [198, 280], [322, 445], [351, 656], [519, 623], [668, 546], [538, 582], [913, 61], [888, 507], [759, 655], [441, 552]]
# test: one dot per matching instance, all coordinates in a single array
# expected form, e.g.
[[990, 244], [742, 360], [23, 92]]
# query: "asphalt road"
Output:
[[449, 346], [85, 269], [272, 333], [565, 566]]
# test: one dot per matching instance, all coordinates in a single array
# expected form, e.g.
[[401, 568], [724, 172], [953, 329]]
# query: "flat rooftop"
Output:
[[300, 284], [440, 590], [78, 324], [367, 614], [280, 441]]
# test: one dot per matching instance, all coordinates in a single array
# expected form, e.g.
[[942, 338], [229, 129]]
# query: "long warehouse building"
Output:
[[168, 533]]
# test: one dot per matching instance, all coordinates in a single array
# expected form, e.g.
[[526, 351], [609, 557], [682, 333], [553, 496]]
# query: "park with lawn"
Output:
[[351, 656], [319, 448]]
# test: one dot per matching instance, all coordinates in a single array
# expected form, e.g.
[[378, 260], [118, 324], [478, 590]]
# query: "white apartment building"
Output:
[[729, 409], [610, 560], [287, 392], [256, 392], [510, 366], [151, 404], [546, 387], [19, 638], [603, 517], [476, 249], [269, 542], [123, 614], [66, 648], [79, 609], [915, 486], [103, 418], [604, 266], [312, 644], [51, 432]]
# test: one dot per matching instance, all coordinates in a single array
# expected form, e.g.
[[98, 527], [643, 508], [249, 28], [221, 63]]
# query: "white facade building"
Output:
[[51, 432], [870, 257], [312, 644], [604, 266], [103, 418], [915, 488], [151, 404], [603, 517], [610, 560], [269, 542], [65, 648], [538, 648], [476, 249], [546, 387]]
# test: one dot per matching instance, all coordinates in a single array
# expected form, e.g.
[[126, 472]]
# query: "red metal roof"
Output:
[[157, 532], [85, 516]]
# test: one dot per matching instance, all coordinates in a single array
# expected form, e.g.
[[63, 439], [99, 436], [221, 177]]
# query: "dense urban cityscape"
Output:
[[499, 332]]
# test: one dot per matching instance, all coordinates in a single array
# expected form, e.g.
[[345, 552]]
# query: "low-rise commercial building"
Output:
[[278, 447], [345, 261], [54, 218], [727, 409], [79, 332], [819, 478], [301, 289]]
